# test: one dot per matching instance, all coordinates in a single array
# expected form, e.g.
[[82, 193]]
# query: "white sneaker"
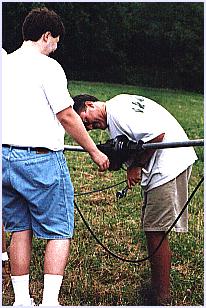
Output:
[[30, 303]]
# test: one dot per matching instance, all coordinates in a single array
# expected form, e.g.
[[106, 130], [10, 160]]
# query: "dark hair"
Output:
[[79, 101], [39, 21]]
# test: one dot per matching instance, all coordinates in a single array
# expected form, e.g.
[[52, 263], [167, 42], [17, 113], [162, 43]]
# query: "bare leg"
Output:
[[160, 266], [20, 252], [20, 257], [55, 261], [56, 256]]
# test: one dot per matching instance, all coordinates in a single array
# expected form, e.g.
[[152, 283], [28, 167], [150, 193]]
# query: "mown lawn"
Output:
[[93, 277]]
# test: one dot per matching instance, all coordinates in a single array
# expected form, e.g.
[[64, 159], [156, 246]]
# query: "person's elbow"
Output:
[[66, 116]]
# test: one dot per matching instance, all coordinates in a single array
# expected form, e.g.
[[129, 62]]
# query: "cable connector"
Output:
[[122, 193]]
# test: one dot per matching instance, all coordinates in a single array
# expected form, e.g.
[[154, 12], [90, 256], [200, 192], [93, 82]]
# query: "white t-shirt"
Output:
[[34, 90], [140, 118]]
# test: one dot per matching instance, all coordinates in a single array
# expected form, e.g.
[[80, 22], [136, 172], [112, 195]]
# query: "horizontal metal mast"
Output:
[[177, 144], [157, 145]]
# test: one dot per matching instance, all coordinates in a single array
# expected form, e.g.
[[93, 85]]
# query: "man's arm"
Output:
[[134, 172], [143, 158], [73, 125]]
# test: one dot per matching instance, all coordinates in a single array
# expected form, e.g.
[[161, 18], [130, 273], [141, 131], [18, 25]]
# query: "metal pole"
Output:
[[74, 148], [157, 145], [177, 144]]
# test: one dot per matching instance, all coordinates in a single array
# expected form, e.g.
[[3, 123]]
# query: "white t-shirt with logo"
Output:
[[140, 118], [34, 90]]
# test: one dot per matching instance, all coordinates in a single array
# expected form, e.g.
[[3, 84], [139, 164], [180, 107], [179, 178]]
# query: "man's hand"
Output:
[[100, 159], [134, 176]]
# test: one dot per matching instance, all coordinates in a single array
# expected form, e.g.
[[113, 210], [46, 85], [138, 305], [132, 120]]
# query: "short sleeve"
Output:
[[55, 87]]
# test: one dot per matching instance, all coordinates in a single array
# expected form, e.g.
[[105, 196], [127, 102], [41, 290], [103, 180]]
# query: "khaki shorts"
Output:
[[163, 204]]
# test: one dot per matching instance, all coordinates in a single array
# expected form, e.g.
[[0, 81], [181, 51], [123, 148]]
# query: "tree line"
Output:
[[138, 43]]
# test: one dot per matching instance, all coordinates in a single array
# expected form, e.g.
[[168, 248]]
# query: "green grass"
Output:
[[92, 276]]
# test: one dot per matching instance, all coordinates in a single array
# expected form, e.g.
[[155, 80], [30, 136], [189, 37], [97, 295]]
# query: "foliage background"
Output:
[[138, 43]]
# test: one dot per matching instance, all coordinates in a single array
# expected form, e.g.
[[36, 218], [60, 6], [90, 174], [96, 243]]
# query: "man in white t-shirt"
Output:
[[163, 173], [37, 190]]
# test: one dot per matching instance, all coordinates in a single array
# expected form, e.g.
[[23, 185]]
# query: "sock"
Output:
[[4, 256], [52, 285], [21, 289]]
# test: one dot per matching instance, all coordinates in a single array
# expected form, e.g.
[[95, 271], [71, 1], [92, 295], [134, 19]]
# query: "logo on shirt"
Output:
[[139, 107]]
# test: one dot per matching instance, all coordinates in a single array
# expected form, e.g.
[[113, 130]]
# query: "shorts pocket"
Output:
[[42, 172]]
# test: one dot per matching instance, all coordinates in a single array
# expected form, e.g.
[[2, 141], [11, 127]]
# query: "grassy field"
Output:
[[93, 277]]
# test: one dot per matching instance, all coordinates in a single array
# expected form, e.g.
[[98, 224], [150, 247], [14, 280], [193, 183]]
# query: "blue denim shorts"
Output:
[[37, 193]]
